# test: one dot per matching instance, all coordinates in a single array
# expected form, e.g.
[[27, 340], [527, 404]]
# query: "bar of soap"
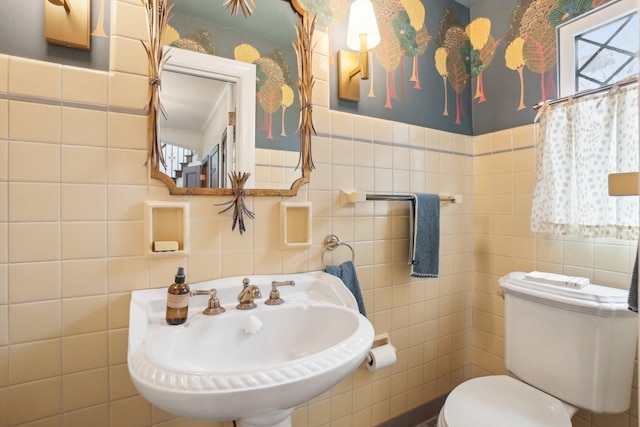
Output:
[[165, 246]]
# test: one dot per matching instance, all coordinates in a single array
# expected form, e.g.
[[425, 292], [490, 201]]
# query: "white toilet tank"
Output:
[[578, 345]]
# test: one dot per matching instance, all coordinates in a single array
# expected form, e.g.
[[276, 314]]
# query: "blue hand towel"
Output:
[[347, 273], [633, 289], [424, 238]]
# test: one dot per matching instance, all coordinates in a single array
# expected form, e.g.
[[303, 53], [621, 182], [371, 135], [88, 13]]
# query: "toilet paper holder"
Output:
[[379, 341]]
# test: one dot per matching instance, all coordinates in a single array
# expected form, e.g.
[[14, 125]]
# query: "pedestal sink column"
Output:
[[280, 418]]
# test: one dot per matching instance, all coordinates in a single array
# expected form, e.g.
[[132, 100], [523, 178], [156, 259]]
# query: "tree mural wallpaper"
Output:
[[531, 39], [438, 64]]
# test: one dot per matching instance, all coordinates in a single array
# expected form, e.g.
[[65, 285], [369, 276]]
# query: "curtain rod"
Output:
[[621, 83]]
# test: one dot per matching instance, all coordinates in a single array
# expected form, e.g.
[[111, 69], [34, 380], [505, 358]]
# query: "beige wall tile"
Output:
[[84, 315], [322, 120], [32, 162], [4, 369], [362, 129], [84, 127], [4, 73], [83, 165], [35, 78], [4, 202], [85, 389], [126, 202], [523, 136], [128, 274], [128, 131], [130, 412], [341, 125], [320, 66], [129, 20], [121, 385], [128, 90], [128, 56], [32, 401], [34, 202], [4, 119], [26, 242], [118, 346], [34, 361], [501, 141], [125, 239], [95, 416], [42, 317], [119, 310], [85, 86], [83, 352], [21, 122], [83, 202], [320, 93], [84, 277], [29, 282], [83, 240], [4, 325], [127, 167], [4, 284]]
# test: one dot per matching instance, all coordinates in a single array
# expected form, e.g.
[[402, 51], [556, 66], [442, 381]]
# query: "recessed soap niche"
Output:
[[295, 225], [166, 230]]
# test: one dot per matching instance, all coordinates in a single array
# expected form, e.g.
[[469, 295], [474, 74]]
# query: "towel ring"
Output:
[[331, 243]]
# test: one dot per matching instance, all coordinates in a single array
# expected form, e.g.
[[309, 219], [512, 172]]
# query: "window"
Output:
[[598, 48]]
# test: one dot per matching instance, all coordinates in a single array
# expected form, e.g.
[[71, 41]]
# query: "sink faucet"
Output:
[[213, 306], [247, 295], [274, 296]]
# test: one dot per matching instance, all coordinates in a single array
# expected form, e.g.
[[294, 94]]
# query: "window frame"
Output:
[[566, 34]]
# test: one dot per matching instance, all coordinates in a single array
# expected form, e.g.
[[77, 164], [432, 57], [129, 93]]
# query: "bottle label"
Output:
[[177, 301]]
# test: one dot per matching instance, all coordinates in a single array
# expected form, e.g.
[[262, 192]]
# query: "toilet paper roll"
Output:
[[381, 357]]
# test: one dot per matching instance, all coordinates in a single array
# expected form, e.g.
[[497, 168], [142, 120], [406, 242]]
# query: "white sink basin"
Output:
[[255, 365]]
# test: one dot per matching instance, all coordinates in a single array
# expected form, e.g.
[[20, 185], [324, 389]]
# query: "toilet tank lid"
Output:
[[591, 297]]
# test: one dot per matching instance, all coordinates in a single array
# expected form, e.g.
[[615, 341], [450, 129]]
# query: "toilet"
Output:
[[571, 345]]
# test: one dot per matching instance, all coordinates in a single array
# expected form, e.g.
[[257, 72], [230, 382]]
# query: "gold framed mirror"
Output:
[[158, 12]]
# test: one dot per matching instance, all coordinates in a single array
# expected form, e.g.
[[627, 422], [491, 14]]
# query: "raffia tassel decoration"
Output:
[[238, 180], [234, 5], [157, 19]]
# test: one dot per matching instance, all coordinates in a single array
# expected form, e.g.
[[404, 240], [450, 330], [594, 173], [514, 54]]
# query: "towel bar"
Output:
[[331, 242], [401, 197]]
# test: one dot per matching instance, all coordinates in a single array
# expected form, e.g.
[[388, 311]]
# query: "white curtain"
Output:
[[580, 142]]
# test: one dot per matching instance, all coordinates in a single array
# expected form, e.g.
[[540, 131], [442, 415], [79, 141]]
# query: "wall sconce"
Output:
[[68, 23], [362, 35]]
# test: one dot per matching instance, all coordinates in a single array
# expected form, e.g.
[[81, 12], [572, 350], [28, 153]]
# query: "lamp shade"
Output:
[[362, 20]]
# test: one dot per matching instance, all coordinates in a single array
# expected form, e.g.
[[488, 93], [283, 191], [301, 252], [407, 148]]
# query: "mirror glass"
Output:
[[208, 126], [200, 142]]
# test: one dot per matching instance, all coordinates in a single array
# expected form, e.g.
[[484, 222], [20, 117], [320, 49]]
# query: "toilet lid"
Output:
[[502, 401]]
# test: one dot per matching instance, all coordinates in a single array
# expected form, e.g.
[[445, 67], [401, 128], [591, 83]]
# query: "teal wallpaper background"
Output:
[[22, 34], [440, 65]]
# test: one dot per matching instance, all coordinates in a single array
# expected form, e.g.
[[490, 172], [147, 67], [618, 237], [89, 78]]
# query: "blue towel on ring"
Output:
[[424, 237], [347, 273]]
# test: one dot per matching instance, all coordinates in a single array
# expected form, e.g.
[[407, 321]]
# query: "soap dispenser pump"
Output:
[[178, 300]]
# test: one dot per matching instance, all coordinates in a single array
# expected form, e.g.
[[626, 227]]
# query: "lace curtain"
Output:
[[580, 142]]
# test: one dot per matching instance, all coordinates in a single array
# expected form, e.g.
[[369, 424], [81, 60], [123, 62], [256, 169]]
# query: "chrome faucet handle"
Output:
[[274, 295], [213, 306]]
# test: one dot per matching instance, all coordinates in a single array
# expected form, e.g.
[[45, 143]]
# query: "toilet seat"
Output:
[[501, 401]]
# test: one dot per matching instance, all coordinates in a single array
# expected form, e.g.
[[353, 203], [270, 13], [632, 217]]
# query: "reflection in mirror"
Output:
[[208, 128], [194, 132]]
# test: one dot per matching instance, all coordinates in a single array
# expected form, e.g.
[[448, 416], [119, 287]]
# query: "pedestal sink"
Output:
[[254, 366]]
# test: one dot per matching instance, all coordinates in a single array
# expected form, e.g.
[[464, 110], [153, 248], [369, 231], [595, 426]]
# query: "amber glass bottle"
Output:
[[178, 300]]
